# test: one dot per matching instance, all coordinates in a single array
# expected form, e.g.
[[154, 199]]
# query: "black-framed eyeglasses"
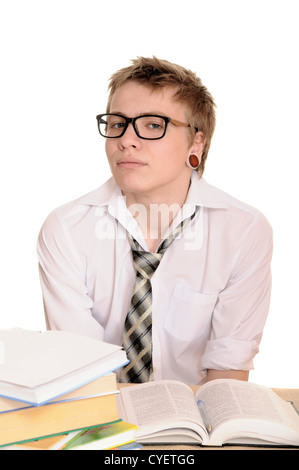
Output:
[[147, 126]]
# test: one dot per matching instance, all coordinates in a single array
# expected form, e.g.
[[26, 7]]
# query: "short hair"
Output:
[[157, 73]]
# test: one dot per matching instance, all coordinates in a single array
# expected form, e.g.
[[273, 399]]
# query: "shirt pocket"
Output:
[[190, 314]]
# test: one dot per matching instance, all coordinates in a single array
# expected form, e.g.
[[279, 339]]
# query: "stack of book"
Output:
[[56, 385]]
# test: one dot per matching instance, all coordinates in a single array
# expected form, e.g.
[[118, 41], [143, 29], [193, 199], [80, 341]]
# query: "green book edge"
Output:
[[60, 433]]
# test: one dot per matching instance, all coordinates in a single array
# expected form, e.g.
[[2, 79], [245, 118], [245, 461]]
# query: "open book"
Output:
[[221, 412]]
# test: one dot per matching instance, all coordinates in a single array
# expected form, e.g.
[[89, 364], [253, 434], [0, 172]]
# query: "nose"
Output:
[[129, 138]]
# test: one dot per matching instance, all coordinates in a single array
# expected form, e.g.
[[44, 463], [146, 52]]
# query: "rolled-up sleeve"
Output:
[[242, 308], [62, 275]]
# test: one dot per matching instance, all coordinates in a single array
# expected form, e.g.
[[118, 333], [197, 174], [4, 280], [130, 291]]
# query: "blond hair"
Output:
[[158, 73]]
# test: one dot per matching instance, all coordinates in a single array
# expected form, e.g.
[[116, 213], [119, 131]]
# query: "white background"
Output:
[[56, 58]]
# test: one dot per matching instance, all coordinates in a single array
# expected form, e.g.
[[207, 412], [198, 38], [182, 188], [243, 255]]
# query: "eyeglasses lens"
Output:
[[147, 127]]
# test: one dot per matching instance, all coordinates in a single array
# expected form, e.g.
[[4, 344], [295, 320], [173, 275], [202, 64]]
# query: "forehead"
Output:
[[133, 98]]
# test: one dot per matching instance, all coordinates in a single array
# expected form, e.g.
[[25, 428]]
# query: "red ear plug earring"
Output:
[[193, 161]]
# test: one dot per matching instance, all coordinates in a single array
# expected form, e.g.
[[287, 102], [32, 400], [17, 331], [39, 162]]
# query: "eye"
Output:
[[155, 125], [115, 124]]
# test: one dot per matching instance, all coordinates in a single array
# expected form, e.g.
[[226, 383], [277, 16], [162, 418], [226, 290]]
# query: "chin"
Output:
[[131, 183]]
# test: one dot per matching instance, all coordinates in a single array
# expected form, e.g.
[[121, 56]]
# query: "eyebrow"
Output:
[[150, 113]]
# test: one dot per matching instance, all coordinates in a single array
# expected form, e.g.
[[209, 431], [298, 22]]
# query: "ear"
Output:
[[198, 144]]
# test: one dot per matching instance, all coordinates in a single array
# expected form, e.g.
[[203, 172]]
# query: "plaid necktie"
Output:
[[137, 339]]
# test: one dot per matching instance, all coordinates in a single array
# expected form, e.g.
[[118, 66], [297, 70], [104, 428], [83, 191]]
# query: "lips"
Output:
[[128, 162]]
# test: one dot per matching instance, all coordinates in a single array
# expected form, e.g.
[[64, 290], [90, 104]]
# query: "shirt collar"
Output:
[[200, 194], [204, 194]]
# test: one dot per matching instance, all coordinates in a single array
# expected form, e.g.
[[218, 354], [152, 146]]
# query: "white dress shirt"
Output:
[[211, 291]]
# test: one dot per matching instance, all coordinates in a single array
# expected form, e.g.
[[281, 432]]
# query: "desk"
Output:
[[287, 394]]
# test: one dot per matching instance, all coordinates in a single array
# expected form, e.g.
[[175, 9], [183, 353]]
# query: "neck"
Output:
[[155, 212]]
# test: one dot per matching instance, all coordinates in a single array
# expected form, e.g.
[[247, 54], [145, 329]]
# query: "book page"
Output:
[[227, 399], [157, 401]]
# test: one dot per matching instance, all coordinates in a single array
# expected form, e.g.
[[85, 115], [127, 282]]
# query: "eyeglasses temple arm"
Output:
[[179, 123]]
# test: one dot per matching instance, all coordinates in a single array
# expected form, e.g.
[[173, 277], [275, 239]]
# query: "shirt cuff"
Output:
[[228, 354]]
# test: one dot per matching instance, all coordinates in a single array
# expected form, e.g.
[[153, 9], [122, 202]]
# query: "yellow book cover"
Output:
[[55, 442], [35, 422]]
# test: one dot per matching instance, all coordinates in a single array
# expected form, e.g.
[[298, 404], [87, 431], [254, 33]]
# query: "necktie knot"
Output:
[[146, 263]]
